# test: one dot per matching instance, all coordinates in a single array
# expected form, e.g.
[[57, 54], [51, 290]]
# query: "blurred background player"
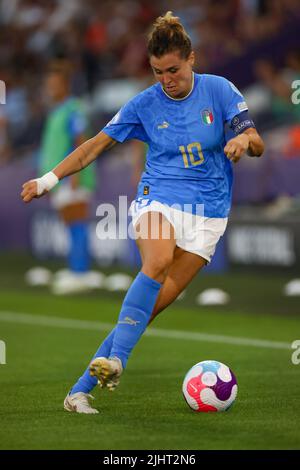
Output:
[[65, 128]]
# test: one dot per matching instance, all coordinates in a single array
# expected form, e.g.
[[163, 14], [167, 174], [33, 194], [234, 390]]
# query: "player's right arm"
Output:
[[81, 157]]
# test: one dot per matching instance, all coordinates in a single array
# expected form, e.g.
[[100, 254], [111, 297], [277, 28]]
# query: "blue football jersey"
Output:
[[185, 163]]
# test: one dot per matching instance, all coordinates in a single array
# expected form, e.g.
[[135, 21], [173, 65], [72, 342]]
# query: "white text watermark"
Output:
[[296, 354], [2, 352], [296, 94], [2, 92], [150, 220]]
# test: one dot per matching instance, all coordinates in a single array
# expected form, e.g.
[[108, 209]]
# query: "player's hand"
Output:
[[30, 191], [38, 187], [236, 147]]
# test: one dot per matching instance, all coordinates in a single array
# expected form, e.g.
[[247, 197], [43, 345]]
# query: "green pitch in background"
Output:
[[49, 341]]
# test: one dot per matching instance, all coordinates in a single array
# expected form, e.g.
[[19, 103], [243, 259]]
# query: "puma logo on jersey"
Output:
[[164, 125], [129, 321]]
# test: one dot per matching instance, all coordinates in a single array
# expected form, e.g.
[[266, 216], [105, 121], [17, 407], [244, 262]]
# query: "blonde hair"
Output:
[[168, 35]]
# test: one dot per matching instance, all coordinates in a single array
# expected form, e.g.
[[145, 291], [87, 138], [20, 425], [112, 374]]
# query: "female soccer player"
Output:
[[182, 118]]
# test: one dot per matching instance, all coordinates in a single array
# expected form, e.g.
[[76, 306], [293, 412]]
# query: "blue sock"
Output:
[[79, 258], [139, 302], [134, 316], [86, 383]]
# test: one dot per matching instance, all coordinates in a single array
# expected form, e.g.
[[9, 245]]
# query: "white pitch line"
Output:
[[58, 322]]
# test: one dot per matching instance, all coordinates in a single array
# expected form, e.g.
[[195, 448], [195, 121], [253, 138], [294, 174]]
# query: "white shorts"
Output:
[[193, 233]]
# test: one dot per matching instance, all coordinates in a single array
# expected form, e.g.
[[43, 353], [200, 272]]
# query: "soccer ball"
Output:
[[209, 386]]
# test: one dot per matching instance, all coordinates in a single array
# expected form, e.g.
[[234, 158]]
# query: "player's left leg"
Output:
[[201, 237], [183, 269], [156, 242]]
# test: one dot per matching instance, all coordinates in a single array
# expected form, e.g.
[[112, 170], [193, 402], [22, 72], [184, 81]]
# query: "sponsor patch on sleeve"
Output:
[[242, 106]]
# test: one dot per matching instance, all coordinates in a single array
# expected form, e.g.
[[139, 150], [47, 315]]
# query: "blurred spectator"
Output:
[[4, 140], [279, 87], [106, 40]]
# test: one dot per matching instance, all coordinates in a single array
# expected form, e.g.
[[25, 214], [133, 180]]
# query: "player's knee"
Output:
[[157, 267]]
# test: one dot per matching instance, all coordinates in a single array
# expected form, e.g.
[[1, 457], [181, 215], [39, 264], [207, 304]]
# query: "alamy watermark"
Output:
[[296, 354], [296, 94], [2, 352], [2, 92], [150, 220]]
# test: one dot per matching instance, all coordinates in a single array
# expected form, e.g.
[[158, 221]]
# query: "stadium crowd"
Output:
[[106, 40]]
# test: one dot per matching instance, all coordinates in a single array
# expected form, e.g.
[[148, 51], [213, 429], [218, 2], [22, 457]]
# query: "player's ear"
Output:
[[191, 59]]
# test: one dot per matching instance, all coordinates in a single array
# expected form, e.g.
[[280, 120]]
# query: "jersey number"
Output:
[[192, 155]]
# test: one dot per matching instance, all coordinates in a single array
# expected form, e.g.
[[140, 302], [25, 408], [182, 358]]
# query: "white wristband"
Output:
[[46, 182]]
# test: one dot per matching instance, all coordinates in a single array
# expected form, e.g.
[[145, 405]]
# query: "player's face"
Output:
[[174, 73], [56, 87]]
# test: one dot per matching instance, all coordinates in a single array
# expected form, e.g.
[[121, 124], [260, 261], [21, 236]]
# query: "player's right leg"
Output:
[[157, 244], [157, 254]]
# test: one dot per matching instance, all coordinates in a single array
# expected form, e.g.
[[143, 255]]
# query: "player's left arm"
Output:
[[249, 142], [78, 130], [74, 179]]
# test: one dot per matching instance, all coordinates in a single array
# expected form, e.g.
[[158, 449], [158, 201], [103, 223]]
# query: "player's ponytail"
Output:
[[168, 35]]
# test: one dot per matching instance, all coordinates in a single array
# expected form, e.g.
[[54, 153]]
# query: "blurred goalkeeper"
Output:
[[183, 119], [65, 129]]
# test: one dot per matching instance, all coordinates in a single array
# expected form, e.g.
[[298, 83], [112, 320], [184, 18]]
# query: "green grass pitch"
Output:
[[147, 411]]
